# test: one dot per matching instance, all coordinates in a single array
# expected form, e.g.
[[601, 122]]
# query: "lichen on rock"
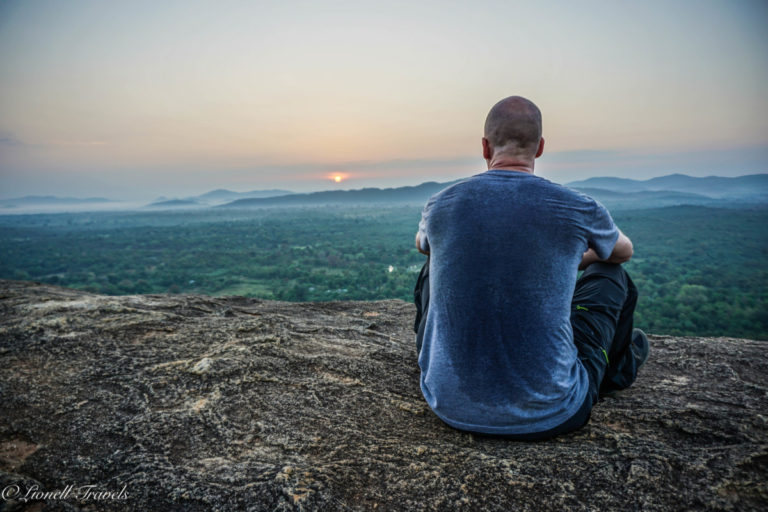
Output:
[[200, 403]]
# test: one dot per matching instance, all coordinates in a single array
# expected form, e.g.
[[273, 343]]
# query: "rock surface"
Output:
[[179, 402]]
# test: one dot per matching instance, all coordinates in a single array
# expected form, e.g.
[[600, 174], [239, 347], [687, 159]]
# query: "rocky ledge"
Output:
[[181, 402]]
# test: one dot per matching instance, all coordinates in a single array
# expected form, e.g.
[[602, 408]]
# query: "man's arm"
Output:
[[622, 252], [418, 246]]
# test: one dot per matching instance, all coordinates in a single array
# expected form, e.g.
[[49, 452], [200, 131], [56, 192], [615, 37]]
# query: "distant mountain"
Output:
[[615, 193], [175, 203], [647, 198], [222, 195], [754, 186], [50, 201], [366, 196], [213, 198]]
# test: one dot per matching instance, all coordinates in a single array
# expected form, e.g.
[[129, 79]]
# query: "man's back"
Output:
[[498, 353]]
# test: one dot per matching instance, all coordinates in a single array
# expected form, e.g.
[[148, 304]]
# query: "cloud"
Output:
[[422, 163], [583, 155], [572, 165], [8, 140], [75, 143]]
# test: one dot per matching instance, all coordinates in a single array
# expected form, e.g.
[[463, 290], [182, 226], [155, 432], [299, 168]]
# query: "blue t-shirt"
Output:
[[498, 354]]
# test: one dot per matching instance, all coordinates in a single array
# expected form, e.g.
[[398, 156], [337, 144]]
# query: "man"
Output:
[[509, 342]]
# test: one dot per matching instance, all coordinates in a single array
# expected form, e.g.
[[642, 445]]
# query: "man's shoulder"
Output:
[[452, 188], [495, 180], [576, 195], [455, 185], [471, 183], [491, 190]]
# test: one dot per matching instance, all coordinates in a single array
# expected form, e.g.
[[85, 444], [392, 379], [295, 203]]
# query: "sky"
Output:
[[136, 99]]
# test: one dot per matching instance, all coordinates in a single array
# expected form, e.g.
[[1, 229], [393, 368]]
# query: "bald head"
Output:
[[513, 127]]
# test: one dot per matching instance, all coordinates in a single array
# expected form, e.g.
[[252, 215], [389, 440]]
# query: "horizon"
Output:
[[127, 204], [342, 185], [291, 96]]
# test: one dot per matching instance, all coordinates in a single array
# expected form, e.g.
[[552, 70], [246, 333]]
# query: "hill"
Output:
[[174, 203], [222, 195], [644, 199], [409, 195], [213, 198], [186, 402], [754, 186], [53, 203], [615, 193], [44, 200]]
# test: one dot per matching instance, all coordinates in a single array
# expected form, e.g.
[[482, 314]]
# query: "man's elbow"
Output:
[[625, 252], [418, 246], [624, 258]]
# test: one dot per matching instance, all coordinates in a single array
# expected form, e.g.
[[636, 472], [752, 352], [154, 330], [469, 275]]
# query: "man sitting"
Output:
[[509, 342]]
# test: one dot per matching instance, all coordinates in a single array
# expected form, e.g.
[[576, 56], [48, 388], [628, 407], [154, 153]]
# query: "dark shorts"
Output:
[[601, 317]]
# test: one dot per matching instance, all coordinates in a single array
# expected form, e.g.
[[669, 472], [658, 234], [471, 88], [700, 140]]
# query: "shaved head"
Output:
[[513, 127]]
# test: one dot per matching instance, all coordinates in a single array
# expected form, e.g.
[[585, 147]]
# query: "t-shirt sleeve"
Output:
[[423, 238], [603, 233]]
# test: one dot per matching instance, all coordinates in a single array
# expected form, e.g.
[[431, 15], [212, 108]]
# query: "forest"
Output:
[[700, 270]]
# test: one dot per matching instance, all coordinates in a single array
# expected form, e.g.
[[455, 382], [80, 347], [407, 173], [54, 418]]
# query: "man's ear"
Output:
[[541, 148], [487, 149]]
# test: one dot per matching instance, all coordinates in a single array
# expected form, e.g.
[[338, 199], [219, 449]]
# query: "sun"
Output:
[[337, 177]]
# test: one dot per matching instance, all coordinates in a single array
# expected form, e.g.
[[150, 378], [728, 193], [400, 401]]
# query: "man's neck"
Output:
[[510, 164]]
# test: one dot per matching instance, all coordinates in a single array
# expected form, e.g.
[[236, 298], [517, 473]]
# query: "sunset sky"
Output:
[[134, 99]]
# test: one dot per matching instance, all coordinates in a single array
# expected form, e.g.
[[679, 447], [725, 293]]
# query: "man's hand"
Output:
[[622, 252], [588, 258], [418, 246]]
